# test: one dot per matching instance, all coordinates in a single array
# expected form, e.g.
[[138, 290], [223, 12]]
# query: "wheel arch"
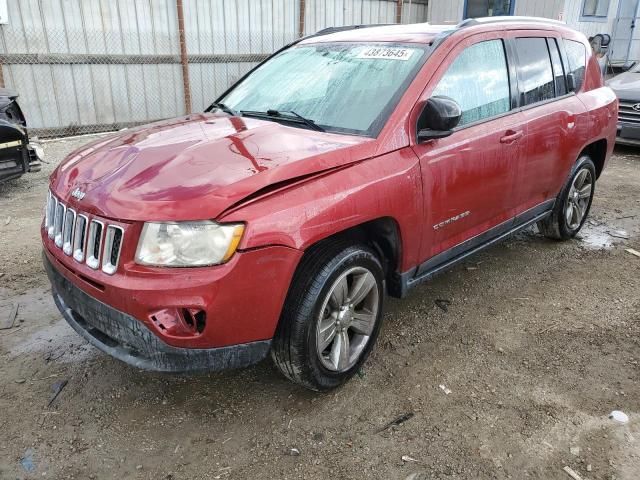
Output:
[[597, 151], [382, 234]]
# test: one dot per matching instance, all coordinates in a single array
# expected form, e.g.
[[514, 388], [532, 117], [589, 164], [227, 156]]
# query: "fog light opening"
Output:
[[179, 322], [158, 323], [195, 319]]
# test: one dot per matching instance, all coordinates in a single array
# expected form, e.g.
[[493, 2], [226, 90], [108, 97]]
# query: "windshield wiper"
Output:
[[288, 115], [224, 108]]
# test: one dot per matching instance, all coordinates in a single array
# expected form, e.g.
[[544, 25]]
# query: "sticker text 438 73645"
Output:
[[390, 53]]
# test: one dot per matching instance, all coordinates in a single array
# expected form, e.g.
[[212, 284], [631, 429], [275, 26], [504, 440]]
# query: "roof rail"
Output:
[[470, 22], [345, 28]]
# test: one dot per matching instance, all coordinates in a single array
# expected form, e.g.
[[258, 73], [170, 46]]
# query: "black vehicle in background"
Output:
[[17, 154]]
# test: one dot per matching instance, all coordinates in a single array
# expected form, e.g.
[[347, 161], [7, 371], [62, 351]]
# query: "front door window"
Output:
[[479, 81], [488, 8]]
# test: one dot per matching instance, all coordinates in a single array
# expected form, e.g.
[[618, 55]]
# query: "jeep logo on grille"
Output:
[[78, 194], [636, 107]]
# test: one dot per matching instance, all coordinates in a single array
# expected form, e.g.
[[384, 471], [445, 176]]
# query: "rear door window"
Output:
[[479, 81], [558, 68], [577, 58], [535, 74]]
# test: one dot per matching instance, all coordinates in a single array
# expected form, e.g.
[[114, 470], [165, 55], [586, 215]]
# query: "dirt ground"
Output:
[[540, 342]]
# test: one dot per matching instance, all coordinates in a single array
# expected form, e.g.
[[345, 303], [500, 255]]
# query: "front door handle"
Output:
[[511, 136]]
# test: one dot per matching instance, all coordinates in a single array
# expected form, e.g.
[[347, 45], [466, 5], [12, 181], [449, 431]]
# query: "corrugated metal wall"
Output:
[[452, 11], [249, 29], [320, 14], [82, 66], [446, 11], [539, 8]]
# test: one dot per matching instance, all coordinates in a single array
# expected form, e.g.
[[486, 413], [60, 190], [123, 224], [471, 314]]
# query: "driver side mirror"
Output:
[[439, 117]]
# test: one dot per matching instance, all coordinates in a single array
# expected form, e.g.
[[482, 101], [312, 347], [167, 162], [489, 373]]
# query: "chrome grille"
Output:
[[94, 243], [112, 245], [79, 237], [58, 224], [48, 214], [67, 230], [626, 112], [51, 208], [87, 239]]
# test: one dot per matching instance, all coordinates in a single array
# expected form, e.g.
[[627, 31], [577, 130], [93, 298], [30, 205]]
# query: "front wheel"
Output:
[[332, 316], [573, 204]]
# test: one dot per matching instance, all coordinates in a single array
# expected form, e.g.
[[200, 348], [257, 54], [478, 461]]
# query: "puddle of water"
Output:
[[596, 237], [600, 236]]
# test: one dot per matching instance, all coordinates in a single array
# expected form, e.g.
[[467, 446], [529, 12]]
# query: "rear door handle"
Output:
[[511, 136]]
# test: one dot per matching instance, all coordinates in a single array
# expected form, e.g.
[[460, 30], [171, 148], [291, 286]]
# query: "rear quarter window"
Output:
[[577, 58]]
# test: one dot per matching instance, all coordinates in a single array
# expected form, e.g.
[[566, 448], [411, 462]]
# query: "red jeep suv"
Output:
[[352, 163]]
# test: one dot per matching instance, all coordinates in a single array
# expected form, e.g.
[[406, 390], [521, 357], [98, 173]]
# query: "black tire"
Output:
[[556, 225], [294, 348]]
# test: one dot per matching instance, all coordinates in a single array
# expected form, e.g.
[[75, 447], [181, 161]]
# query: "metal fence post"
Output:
[[183, 58], [301, 19], [399, 11]]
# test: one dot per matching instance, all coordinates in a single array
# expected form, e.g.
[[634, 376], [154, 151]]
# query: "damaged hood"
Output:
[[196, 167]]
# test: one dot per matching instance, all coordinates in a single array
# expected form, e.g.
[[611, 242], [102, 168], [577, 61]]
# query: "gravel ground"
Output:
[[514, 378]]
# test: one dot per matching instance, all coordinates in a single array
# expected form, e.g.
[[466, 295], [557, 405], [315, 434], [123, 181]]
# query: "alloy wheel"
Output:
[[578, 199], [347, 319]]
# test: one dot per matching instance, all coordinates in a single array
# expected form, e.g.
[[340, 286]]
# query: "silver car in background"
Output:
[[627, 88]]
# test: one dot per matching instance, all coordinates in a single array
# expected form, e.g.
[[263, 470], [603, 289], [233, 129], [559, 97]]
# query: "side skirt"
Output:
[[449, 258]]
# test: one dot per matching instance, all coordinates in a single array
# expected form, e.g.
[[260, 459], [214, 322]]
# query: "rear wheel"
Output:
[[332, 316], [573, 204]]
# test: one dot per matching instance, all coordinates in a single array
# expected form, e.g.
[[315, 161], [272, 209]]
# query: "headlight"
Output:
[[187, 244]]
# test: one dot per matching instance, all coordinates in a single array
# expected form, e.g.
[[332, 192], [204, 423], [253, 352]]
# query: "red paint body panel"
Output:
[[469, 173], [385, 186], [293, 187]]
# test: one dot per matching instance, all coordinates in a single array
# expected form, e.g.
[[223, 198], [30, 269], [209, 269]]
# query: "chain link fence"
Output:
[[88, 66]]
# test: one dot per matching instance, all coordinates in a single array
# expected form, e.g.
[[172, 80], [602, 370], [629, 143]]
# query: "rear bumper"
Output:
[[129, 340]]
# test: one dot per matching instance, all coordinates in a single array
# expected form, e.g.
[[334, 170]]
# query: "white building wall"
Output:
[[452, 12], [573, 11]]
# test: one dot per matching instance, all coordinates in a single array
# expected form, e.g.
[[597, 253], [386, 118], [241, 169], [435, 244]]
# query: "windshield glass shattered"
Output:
[[348, 88]]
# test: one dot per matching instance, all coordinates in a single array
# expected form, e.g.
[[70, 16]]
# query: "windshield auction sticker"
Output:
[[387, 53]]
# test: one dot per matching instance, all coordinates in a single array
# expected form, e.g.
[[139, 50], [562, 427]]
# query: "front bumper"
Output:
[[628, 134], [239, 308], [129, 340], [36, 156], [629, 142], [16, 160]]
